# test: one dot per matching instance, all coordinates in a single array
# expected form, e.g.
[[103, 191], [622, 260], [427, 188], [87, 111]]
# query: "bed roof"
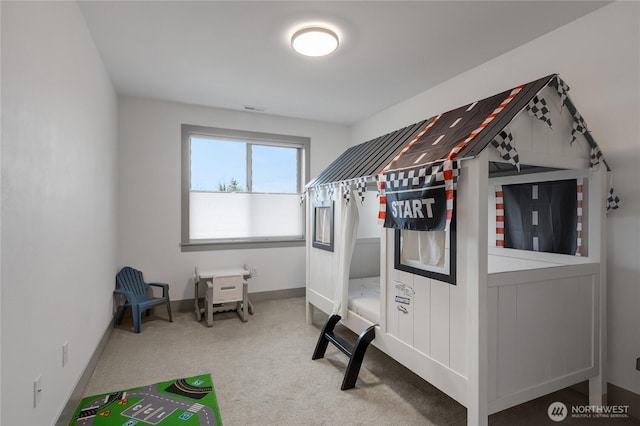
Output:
[[426, 154], [470, 128], [462, 133]]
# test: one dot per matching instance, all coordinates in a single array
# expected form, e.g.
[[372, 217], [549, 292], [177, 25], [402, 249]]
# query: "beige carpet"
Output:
[[263, 373]]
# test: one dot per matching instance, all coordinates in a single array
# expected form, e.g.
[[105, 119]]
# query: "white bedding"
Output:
[[364, 297]]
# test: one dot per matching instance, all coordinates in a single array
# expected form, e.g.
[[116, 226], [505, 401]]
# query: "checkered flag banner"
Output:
[[579, 126], [503, 142], [361, 187], [596, 155], [563, 90], [346, 191], [537, 107], [613, 202], [330, 190], [395, 180]]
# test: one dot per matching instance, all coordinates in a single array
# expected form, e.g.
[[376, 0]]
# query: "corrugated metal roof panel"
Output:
[[368, 158]]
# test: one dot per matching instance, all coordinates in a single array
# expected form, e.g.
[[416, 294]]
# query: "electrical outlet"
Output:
[[37, 391], [65, 354]]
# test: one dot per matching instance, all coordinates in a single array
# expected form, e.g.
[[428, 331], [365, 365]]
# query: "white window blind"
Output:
[[242, 187], [229, 215]]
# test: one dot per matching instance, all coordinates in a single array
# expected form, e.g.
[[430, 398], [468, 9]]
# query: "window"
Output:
[[323, 225], [241, 188], [543, 216], [431, 254]]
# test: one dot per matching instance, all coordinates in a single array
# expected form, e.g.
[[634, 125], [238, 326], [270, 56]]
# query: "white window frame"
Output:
[[303, 144]]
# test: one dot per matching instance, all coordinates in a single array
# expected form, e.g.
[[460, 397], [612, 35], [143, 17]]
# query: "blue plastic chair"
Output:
[[131, 285]]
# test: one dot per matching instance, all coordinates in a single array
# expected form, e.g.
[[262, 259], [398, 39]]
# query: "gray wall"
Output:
[[59, 213], [149, 193]]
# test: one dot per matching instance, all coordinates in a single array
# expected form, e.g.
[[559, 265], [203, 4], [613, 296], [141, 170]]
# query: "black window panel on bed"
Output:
[[541, 216]]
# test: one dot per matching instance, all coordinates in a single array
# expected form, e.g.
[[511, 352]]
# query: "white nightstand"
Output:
[[226, 291]]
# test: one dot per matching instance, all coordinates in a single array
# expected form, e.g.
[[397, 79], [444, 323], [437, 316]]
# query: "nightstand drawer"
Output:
[[227, 289]]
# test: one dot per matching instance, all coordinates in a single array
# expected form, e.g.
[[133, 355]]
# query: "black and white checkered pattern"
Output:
[[330, 190], [537, 107], [579, 126], [563, 90], [303, 196], [361, 187], [404, 179], [596, 155], [503, 143], [346, 191], [418, 177], [613, 202]]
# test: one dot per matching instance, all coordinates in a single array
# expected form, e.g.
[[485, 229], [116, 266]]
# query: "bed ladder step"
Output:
[[354, 352]]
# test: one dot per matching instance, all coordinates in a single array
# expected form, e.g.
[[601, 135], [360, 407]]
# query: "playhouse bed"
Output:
[[501, 326]]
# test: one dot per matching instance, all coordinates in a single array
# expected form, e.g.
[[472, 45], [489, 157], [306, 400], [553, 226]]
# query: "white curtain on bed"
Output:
[[427, 247], [323, 225], [346, 242]]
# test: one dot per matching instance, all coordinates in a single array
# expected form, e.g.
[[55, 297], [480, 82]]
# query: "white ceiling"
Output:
[[232, 54]]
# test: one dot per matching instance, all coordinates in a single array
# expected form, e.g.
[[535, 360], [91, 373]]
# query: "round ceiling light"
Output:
[[314, 41]]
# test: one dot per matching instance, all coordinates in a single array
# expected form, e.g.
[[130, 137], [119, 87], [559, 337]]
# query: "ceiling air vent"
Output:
[[254, 108]]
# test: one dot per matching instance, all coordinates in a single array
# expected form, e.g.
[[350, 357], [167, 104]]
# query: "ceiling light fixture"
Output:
[[314, 41]]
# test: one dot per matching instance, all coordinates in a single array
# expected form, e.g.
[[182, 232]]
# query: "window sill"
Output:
[[241, 244]]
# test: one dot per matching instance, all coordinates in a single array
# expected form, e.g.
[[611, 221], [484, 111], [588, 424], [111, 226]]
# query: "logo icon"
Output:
[[557, 411]]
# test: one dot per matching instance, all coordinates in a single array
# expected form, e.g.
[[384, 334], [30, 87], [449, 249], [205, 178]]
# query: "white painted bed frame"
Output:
[[533, 324]]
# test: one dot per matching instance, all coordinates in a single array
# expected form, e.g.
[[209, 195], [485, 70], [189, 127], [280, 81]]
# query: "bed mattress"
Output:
[[364, 297]]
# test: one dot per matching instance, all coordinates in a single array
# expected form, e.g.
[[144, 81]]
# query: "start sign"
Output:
[[424, 210], [415, 200], [413, 209]]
